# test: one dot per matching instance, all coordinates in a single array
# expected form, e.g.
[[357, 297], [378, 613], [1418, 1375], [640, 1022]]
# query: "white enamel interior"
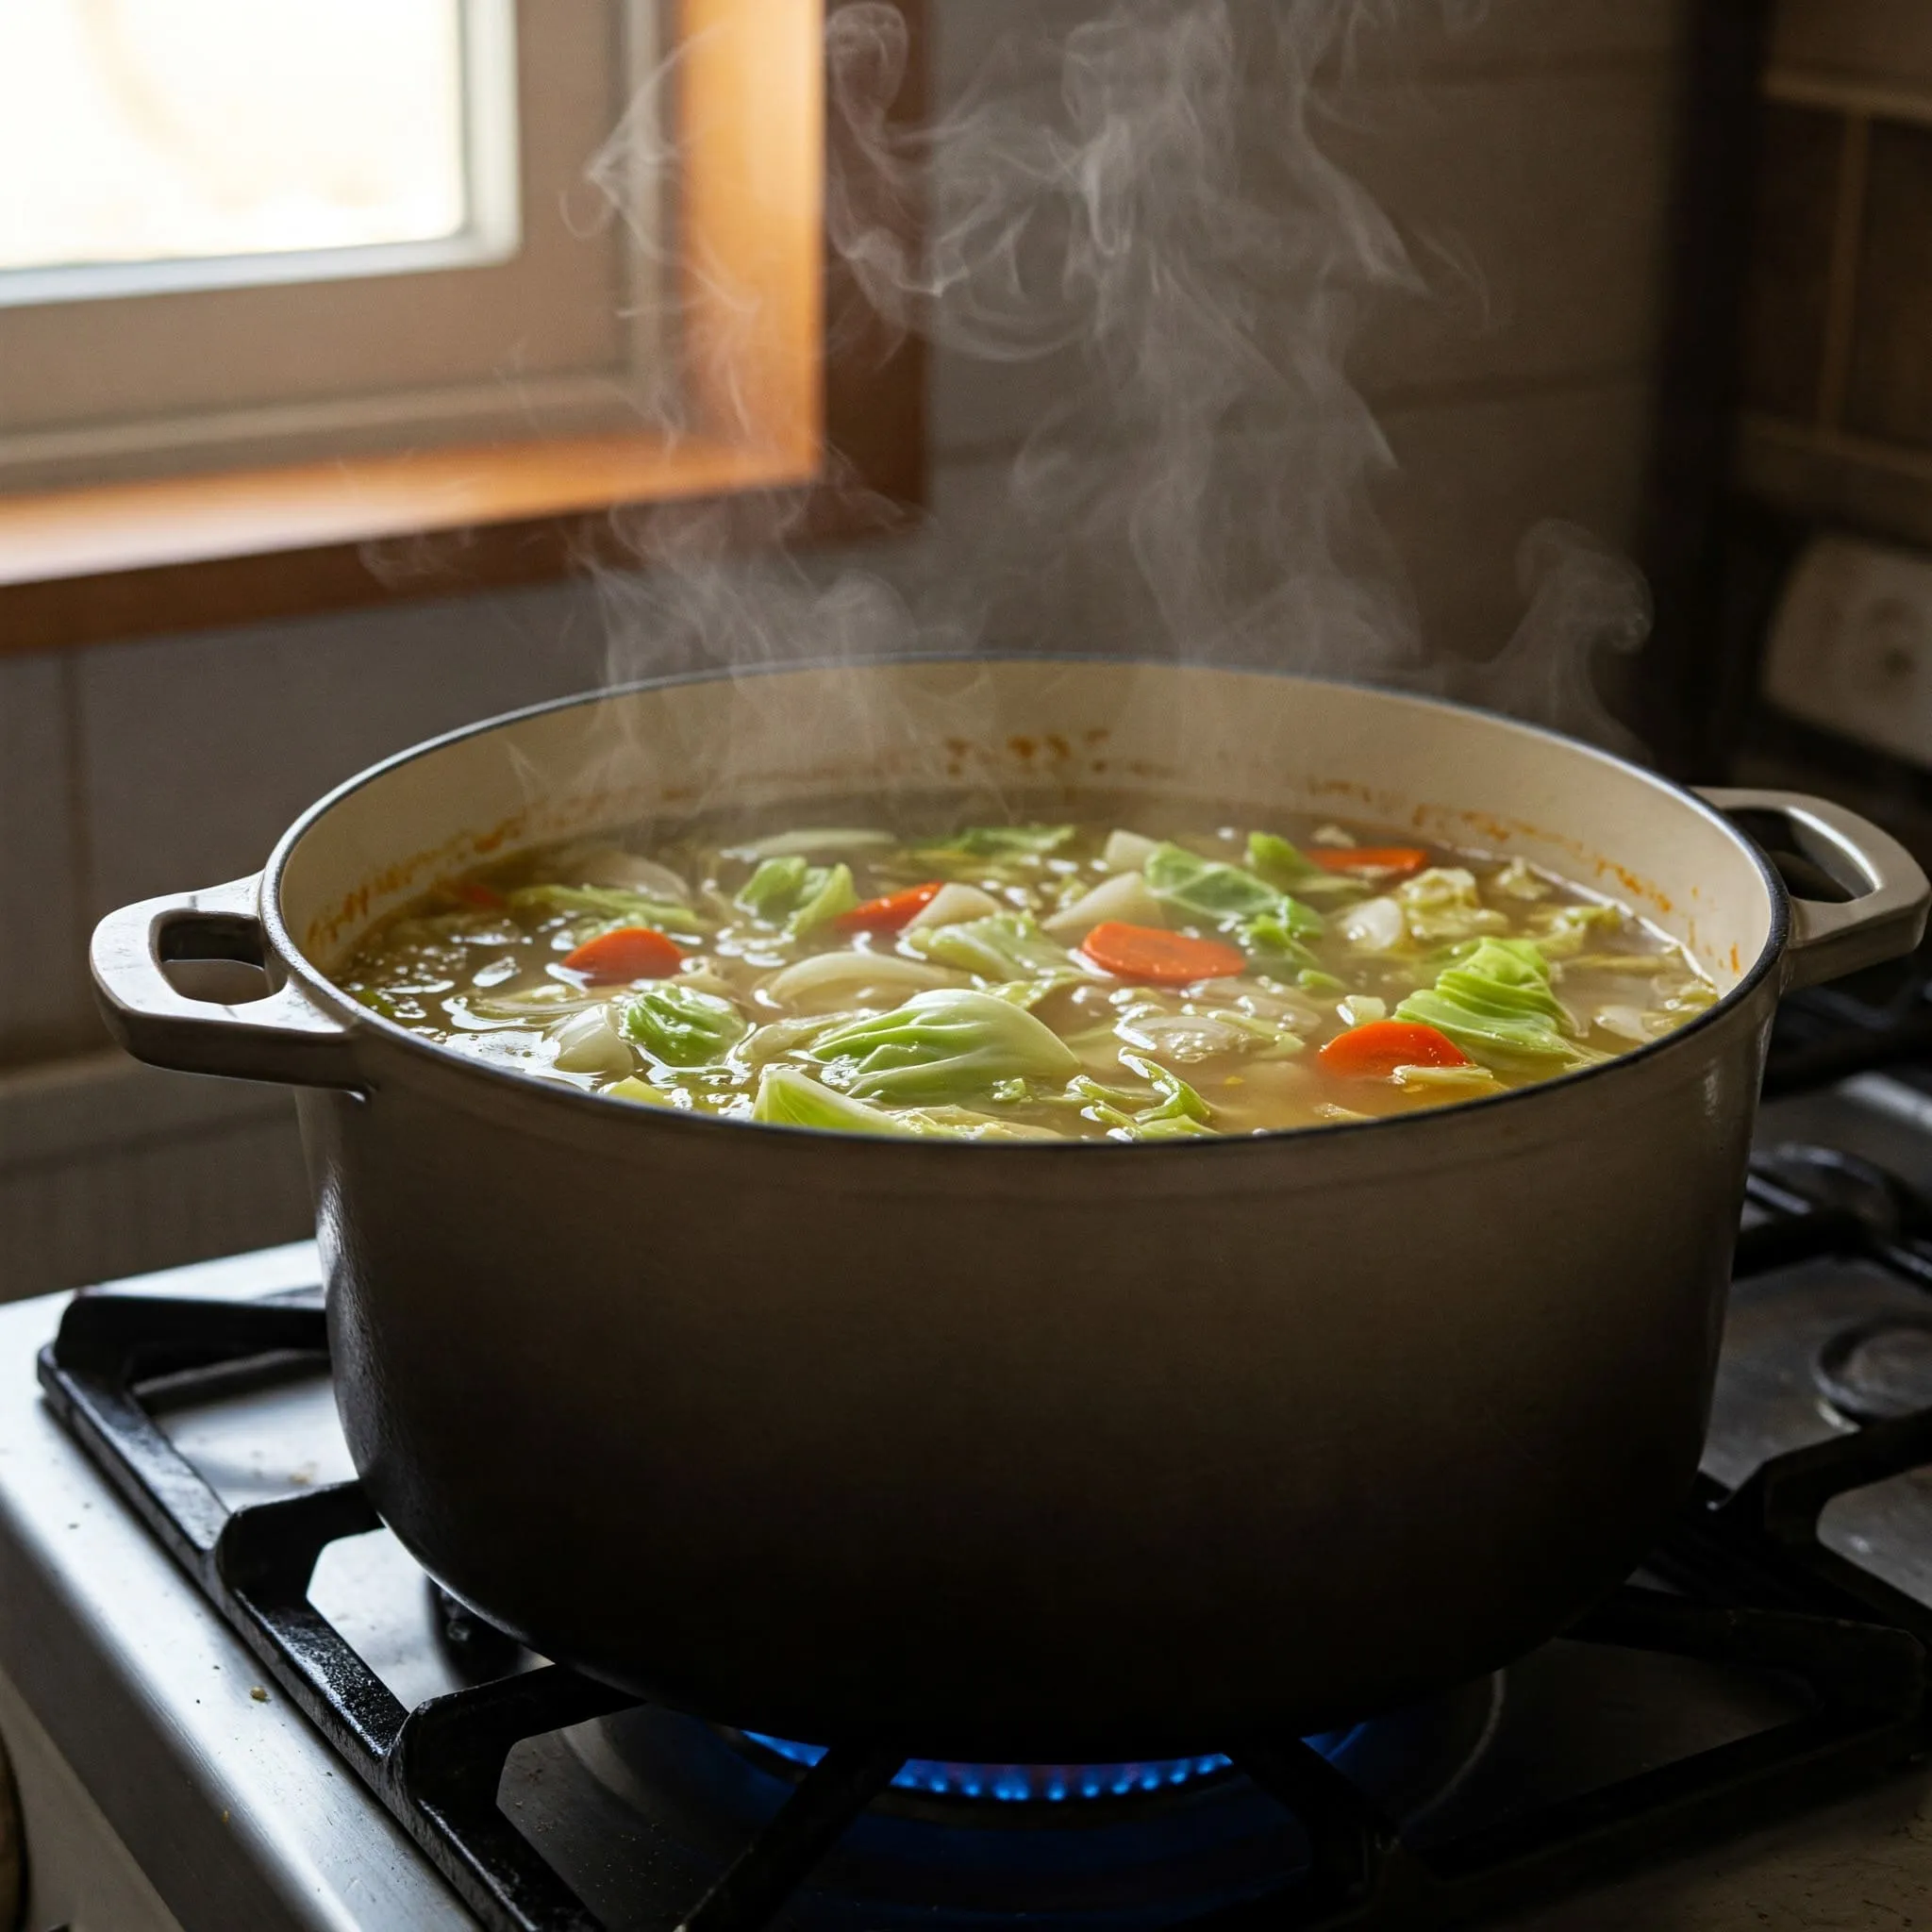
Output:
[[1030, 733]]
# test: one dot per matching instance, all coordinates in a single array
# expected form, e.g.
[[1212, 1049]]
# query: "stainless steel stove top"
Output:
[[238, 1813]]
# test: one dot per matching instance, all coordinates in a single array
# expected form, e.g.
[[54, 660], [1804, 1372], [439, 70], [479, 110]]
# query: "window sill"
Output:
[[129, 559], [807, 367]]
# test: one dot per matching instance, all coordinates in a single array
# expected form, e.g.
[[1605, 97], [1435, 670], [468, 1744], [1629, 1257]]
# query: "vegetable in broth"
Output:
[[1029, 982]]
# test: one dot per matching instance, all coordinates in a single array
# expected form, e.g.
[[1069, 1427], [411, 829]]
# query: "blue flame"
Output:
[[1024, 1784]]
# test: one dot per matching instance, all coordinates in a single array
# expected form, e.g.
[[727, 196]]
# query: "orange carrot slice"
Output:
[[1396, 859], [1160, 958], [1377, 1049], [888, 914], [632, 952]]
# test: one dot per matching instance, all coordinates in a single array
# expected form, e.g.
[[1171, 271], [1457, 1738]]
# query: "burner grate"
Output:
[[1769, 1597]]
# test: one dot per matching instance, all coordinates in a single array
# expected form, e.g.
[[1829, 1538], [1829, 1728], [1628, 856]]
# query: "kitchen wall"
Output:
[[1837, 422], [1542, 137]]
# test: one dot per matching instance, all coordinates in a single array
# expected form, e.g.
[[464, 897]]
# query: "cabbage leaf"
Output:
[[1269, 921], [789, 1098], [641, 1093], [999, 841], [942, 1046], [1280, 862], [774, 887], [680, 1026], [828, 894], [1006, 946], [1178, 1114], [614, 904], [1497, 1005], [1443, 904], [1562, 931], [787, 891]]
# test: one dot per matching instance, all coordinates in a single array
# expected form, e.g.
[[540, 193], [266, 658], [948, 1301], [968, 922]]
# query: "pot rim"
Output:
[[327, 993]]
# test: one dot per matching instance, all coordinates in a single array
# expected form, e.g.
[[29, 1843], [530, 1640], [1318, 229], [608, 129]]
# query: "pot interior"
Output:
[[1032, 737]]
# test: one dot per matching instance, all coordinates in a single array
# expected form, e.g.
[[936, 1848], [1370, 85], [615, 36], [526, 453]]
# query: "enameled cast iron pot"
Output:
[[1057, 1452]]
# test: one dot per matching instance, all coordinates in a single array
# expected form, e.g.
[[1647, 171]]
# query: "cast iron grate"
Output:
[[1763, 1592]]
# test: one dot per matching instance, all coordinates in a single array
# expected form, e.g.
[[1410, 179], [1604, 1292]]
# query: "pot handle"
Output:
[[283, 1037], [1829, 939]]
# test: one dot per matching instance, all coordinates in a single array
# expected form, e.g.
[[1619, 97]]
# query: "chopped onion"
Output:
[[1124, 897], [954, 905], [588, 1043], [829, 982], [609, 865], [1127, 851], [1376, 925]]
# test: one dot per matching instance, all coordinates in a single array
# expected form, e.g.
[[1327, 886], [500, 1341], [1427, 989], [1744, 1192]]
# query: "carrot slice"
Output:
[[1369, 858], [480, 894], [1377, 1049], [1161, 958], [891, 912], [632, 952]]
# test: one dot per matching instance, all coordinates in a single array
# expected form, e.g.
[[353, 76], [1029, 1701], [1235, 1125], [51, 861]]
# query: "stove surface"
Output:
[[241, 1813]]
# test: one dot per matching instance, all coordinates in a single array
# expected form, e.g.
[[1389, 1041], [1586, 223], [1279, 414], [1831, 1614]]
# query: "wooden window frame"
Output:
[[115, 560]]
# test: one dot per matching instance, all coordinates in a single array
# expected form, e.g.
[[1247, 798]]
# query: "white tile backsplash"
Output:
[[198, 751], [107, 1169]]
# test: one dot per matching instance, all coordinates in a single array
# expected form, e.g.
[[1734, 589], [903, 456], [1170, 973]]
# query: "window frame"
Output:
[[252, 541], [346, 364]]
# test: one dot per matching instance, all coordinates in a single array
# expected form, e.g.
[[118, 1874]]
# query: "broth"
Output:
[[1074, 980]]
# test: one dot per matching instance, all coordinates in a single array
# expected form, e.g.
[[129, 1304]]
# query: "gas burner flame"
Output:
[[1033, 1783]]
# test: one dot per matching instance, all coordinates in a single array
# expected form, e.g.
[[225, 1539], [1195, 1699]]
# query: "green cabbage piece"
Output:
[[1269, 920], [788, 1099], [612, 904], [1278, 861], [1274, 939], [828, 894], [1003, 945], [1562, 931], [943, 1045], [1442, 904], [1496, 1004], [776, 887], [640, 1094], [1181, 1113], [802, 896], [680, 1026], [1001, 842]]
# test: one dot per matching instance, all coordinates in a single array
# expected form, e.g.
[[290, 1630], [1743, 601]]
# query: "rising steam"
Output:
[[1137, 220]]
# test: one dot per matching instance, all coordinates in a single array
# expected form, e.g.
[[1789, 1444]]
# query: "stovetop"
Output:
[[242, 1812]]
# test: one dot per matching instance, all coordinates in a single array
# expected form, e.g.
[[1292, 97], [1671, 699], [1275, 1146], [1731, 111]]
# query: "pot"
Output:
[[1051, 1452]]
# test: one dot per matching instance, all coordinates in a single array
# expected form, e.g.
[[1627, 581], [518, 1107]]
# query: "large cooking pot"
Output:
[[1017, 1451]]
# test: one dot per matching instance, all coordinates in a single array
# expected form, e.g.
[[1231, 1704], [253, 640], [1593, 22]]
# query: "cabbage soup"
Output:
[[1093, 980]]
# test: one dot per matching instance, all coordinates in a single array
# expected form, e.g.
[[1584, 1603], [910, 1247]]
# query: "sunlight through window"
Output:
[[180, 130]]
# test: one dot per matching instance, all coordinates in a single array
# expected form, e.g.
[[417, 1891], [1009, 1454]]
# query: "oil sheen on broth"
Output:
[[1064, 981]]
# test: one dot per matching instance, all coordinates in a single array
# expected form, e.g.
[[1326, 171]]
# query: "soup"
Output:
[[1028, 982]]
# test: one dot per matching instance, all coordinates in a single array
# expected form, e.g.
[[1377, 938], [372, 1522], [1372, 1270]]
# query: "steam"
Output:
[[1135, 220]]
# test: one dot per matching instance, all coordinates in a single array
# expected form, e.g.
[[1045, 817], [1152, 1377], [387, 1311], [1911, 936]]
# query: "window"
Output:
[[255, 230], [168, 144], [213, 412]]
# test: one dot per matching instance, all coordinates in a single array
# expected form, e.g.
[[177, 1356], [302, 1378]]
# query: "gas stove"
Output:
[[233, 1700]]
